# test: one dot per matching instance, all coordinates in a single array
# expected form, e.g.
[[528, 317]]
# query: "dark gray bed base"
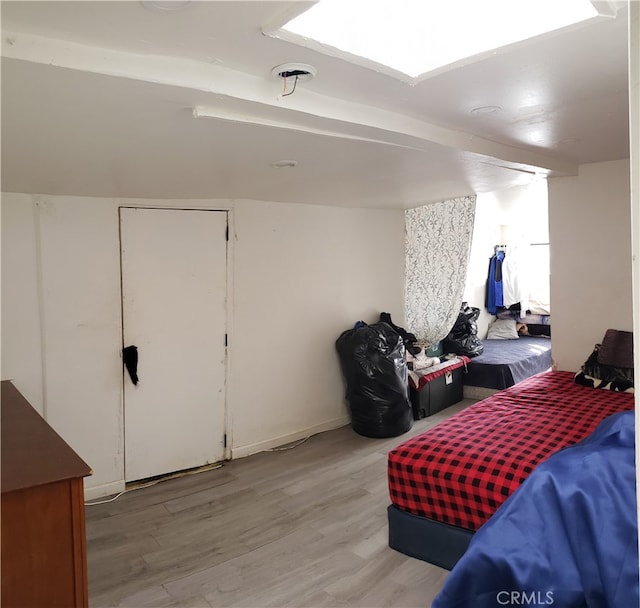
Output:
[[431, 541]]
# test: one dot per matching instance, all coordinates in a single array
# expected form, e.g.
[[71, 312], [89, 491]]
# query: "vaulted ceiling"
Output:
[[113, 99]]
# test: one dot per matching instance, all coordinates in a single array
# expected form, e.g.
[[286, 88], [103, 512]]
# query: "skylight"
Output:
[[414, 37]]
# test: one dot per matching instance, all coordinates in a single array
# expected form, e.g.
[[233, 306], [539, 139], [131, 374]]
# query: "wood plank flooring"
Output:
[[303, 527]]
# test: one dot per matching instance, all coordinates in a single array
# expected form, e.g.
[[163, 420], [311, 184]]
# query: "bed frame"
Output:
[[431, 541]]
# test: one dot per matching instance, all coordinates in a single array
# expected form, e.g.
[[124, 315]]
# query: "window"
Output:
[[414, 37]]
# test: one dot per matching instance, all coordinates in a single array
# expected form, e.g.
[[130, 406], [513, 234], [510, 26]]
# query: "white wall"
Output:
[[634, 136], [82, 330], [590, 236], [503, 217], [486, 234], [21, 343], [301, 275]]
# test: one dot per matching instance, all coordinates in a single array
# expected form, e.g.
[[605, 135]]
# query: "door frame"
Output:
[[230, 251]]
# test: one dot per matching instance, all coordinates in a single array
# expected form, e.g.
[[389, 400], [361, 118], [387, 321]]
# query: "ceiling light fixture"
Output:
[[301, 71], [293, 73]]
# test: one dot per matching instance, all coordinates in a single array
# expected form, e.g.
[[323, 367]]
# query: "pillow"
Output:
[[503, 329], [616, 349], [596, 375]]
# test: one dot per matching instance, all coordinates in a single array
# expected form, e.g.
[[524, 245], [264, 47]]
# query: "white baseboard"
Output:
[[106, 489], [268, 444]]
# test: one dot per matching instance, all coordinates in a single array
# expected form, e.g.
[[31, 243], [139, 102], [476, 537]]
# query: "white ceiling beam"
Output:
[[304, 110]]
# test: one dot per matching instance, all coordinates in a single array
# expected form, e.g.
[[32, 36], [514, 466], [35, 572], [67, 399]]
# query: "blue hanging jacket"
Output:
[[494, 298]]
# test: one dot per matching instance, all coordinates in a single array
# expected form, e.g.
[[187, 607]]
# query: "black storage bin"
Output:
[[437, 394]]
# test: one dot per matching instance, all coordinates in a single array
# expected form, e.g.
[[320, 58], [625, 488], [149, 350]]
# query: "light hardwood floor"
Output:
[[301, 527]]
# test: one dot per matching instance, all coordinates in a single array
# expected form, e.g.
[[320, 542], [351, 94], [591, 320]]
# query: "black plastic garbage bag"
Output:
[[409, 339], [373, 362], [463, 337]]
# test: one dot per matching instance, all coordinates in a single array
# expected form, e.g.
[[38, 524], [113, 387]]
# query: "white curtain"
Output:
[[437, 244]]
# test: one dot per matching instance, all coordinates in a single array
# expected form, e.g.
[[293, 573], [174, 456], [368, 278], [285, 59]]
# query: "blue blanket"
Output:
[[567, 537], [504, 363]]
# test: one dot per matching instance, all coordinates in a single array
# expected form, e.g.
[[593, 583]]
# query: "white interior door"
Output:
[[174, 282]]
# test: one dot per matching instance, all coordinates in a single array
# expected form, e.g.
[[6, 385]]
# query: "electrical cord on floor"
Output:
[[289, 447], [103, 502], [182, 474], [155, 482]]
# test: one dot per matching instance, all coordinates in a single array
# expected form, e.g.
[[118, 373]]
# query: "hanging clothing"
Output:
[[494, 296], [514, 285]]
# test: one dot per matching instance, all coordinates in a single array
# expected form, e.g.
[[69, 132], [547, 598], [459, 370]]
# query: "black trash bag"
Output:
[[409, 339], [463, 337], [373, 362]]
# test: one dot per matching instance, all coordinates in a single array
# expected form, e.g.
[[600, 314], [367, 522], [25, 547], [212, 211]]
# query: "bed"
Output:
[[504, 363], [447, 482], [568, 537]]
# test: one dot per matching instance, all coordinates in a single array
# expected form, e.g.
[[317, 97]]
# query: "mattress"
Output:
[[504, 363], [462, 470], [570, 532]]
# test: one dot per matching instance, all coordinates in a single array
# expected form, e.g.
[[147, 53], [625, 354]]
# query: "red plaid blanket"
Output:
[[462, 470]]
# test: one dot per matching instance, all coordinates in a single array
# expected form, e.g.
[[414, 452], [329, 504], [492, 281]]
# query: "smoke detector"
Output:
[[299, 71]]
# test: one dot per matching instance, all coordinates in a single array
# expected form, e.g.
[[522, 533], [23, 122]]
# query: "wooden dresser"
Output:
[[44, 561]]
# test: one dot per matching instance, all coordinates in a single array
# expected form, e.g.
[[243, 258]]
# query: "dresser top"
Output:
[[33, 454]]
